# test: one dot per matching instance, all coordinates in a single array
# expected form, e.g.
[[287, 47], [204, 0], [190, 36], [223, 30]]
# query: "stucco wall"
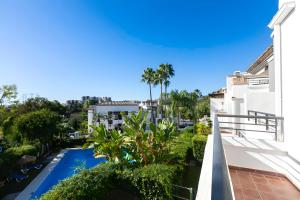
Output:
[[106, 109], [216, 105], [290, 54], [260, 101]]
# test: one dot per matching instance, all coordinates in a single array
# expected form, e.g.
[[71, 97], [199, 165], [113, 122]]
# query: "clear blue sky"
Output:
[[64, 49]]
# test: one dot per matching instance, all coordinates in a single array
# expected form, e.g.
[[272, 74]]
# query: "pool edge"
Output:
[[36, 182]]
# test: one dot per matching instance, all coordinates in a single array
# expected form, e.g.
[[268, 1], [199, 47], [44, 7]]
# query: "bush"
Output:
[[9, 158], [202, 129], [199, 142], [150, 182], [68, 142], [88, 184], [153, 181], [181, 146]]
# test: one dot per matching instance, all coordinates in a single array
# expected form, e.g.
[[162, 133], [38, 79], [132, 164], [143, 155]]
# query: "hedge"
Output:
[[88, 184], [153, 181], [148, 182], [199, 142]]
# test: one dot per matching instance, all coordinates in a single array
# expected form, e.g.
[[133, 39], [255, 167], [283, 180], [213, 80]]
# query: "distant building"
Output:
[[89, 98], [73, 102]]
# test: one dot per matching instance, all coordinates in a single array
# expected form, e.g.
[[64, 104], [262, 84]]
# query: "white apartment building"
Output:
[[245, 89], [110, 114], [236, 166]]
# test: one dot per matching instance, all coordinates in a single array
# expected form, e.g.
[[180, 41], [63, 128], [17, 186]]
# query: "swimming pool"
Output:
[[71, 161]]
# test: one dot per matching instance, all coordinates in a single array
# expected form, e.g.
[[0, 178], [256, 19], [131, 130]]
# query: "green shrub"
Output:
[[68, 142], [153, 181], [202, 129], [199, 142], [9, 158], [150, 182], [182, 145], [88, 184]]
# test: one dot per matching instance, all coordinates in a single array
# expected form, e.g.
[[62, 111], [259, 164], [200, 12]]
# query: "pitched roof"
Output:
[[256, 66]]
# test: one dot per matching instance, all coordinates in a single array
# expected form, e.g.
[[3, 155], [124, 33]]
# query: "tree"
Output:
[[169, 72], [38, 103], [109, 143], [159, 79], [41, 125], [149, 77], [176, 104], [203, 107], [135, 130], [8, 93], [193, 99]]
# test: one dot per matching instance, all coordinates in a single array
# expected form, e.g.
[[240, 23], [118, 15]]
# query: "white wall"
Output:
[[290, 60], [260, 101], [216, 105], [115, 108]]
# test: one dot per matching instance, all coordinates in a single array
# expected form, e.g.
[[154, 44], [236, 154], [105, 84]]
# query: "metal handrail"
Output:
[[221, 185], [278, 121], [190, 190], [249, 116]]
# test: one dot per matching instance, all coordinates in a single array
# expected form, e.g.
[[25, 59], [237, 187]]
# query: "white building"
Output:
[[110, 113], [286, 40], [238, 167], [244, 90]]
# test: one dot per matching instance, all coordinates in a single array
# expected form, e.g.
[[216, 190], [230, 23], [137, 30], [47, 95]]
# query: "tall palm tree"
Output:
[[169, 72], [159, 80], [149, 77]]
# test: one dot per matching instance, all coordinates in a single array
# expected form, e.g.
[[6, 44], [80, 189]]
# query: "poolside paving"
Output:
[[251, 184]]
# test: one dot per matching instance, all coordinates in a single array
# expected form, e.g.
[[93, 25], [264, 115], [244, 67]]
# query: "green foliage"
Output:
[[88, 184], [39, 103], [9, 158], [202, 129], [151, 182], [8, 93], [203, 107], [40, 125], [181, 145], [199, 142], [109, 143], [135, 143]]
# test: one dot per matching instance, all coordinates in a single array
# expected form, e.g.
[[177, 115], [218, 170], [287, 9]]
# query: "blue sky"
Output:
[[64, 49]]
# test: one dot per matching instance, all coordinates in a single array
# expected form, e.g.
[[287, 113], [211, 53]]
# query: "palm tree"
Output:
[[110, 144], [176, 99], [168, 73], [159, 80], [149, 77]]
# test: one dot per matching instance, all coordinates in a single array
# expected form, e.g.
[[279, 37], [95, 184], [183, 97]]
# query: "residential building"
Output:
[[262, 101], [110, 114], [73, 102]]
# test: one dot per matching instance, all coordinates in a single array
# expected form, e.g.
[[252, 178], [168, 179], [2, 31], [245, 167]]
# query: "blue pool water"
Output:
[[66, 167]]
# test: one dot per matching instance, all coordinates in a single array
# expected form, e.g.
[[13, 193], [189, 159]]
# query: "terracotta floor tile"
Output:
[[250, 185], [263, 188], [251, 194], [261, 180]]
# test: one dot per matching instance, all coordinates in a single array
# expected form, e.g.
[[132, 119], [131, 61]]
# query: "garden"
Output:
[[144, 162]]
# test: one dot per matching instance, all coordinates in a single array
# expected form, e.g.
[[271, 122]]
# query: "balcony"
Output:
[[245, 158], [250, 80]]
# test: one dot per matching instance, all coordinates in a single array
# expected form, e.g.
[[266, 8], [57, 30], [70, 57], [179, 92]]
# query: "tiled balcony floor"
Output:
[[258, 185]]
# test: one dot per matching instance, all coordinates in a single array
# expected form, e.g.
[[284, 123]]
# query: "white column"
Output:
[[277, 69]]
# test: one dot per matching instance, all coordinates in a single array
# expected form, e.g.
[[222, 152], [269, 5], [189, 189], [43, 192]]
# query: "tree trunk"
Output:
[[152, 116], [161, 99], [178, 119], [165, 97]]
